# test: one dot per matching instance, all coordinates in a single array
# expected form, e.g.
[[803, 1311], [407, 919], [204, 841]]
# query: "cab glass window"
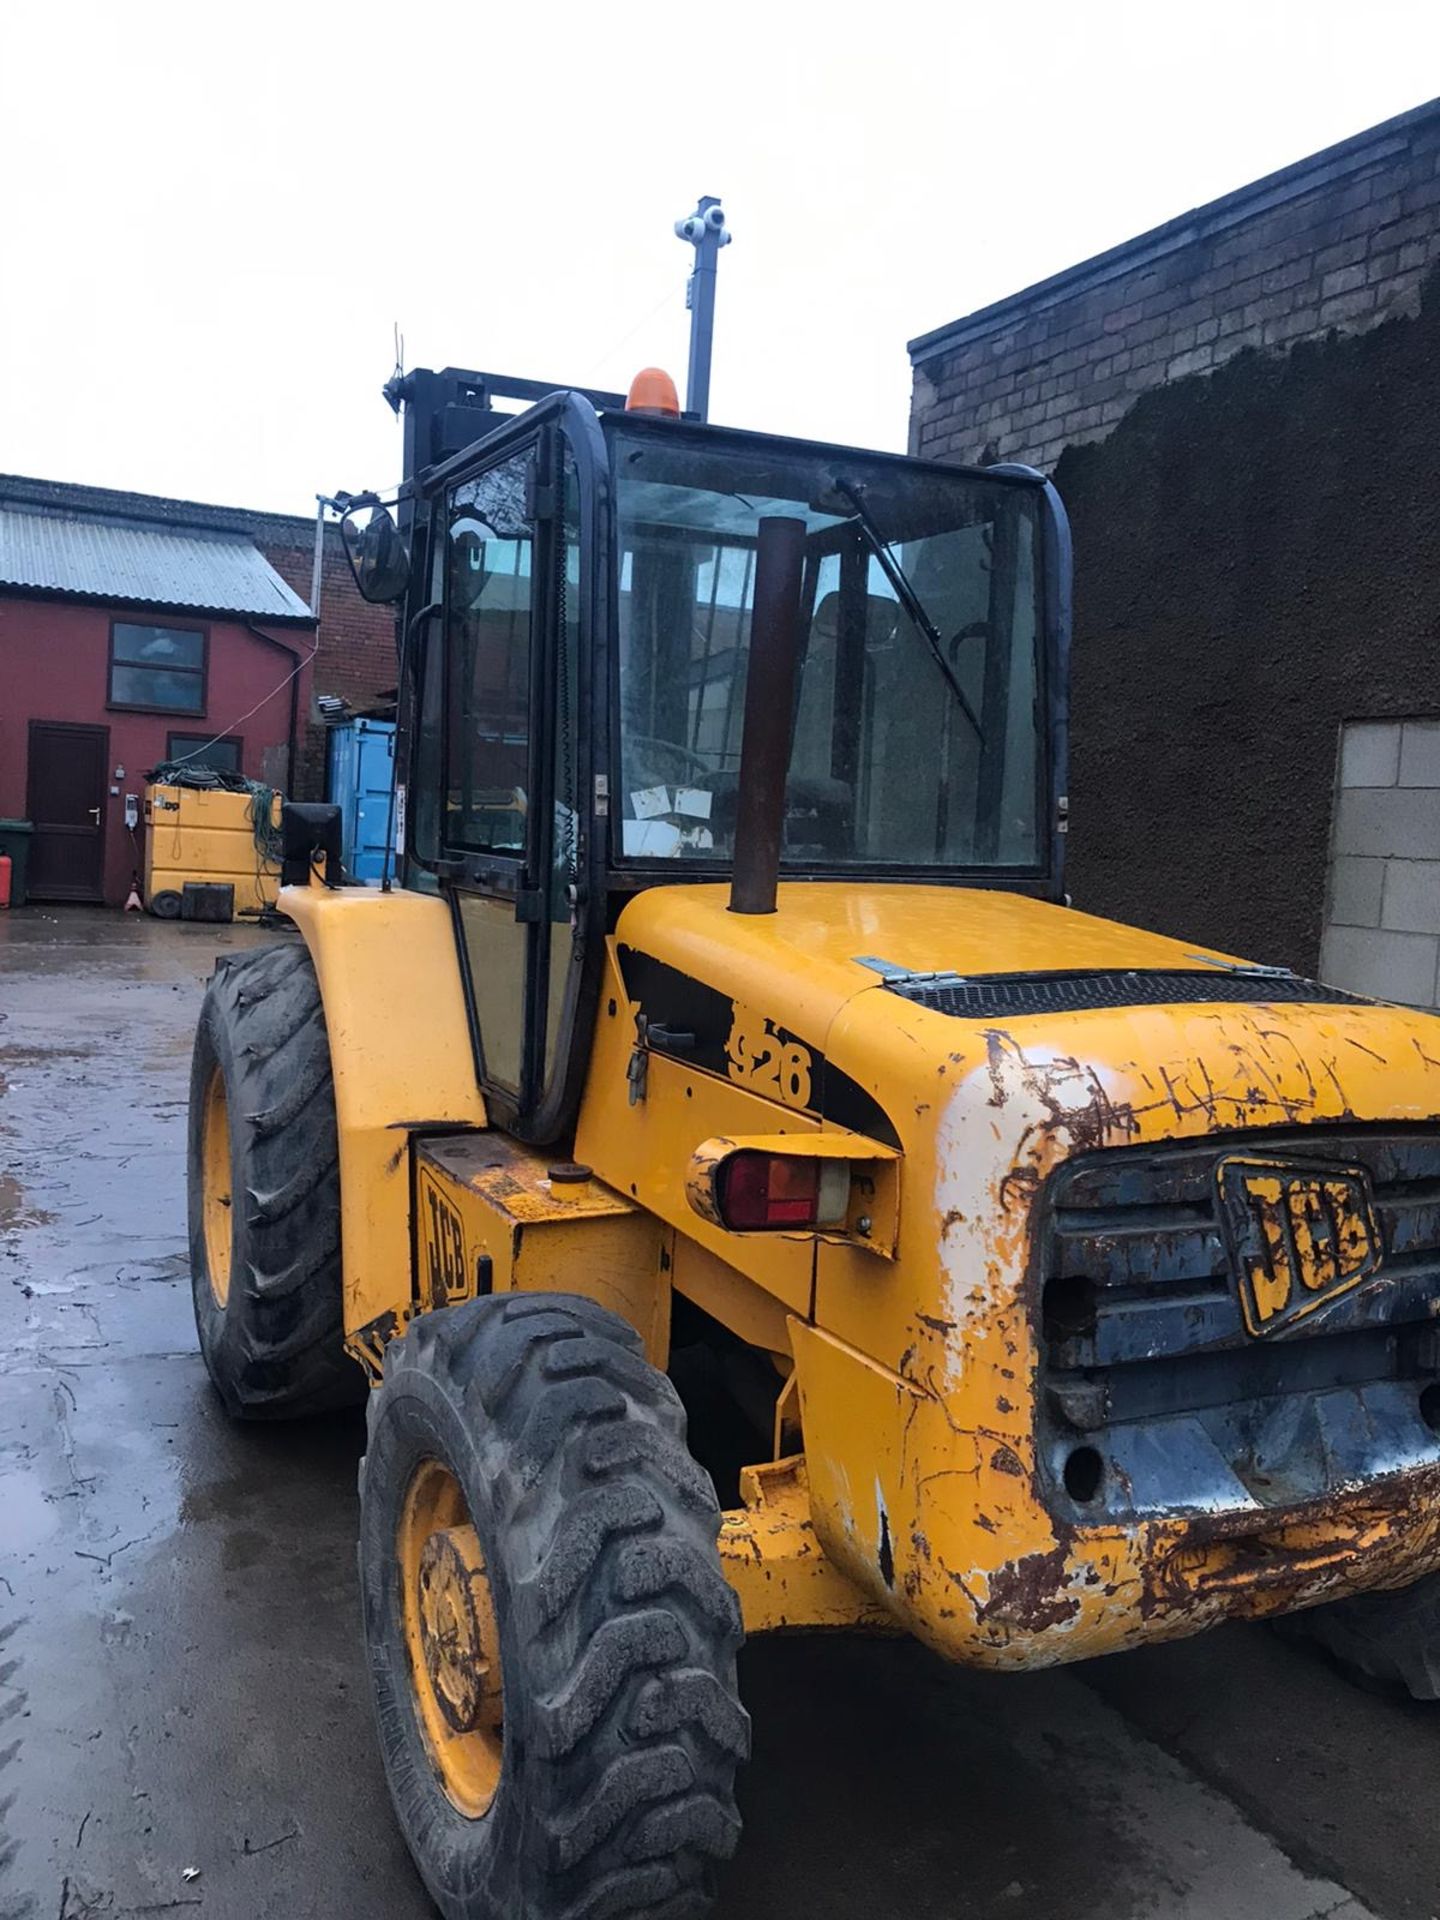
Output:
[[917, 727], [489, 604]]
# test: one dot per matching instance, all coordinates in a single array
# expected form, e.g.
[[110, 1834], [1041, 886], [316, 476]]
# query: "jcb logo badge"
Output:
[[444, 1237], [1300, 1237]]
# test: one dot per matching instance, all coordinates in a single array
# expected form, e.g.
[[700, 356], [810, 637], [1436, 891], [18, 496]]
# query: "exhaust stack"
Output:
[[769, 714]]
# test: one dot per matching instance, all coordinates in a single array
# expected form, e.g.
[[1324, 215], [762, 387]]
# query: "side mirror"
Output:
[[376, 553], [882, 621]]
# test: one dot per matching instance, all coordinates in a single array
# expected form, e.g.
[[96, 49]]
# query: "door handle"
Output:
[[669, 1039], [95, 815]]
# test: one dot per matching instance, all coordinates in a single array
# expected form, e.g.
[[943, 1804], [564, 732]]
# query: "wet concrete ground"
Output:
[[183, 1718]]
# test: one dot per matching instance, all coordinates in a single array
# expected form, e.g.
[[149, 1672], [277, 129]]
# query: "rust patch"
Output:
[[701, 1174], [1228, 1567], [935, 1325], [1029, 1593], [1019, 1188], [1006, 1460], [996, 1041], [1095, 1120], [367, 1344]]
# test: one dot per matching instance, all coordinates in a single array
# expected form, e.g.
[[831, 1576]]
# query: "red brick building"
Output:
[[135, 629]]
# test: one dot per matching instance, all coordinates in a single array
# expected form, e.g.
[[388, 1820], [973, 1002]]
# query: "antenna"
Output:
[[706, 231]]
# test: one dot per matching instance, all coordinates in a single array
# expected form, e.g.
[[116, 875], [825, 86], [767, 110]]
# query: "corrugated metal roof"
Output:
[[102, 559]]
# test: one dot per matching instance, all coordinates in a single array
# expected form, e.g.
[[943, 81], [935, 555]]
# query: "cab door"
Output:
[[508, 818]]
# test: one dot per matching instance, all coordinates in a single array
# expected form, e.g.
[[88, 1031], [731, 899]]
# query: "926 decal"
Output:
[[765, 1059]]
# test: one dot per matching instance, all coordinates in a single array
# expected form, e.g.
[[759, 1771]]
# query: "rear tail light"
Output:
[[756, 1191]]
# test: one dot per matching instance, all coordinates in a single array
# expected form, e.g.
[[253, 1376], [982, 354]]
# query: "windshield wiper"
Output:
[[907, 596]]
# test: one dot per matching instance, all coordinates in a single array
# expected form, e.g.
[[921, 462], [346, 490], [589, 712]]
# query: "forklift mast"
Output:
[[445, 412]]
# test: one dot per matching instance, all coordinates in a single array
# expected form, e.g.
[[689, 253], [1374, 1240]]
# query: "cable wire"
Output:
[[263, 701], [673, 293]]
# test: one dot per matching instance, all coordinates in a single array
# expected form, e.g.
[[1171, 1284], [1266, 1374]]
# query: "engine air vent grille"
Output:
[[997, 996]]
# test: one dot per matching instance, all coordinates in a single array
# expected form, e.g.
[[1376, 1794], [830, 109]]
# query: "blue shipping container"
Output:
[[361, 760]]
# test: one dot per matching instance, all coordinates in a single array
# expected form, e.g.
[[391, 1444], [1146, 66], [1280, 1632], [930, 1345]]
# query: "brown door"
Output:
[[67, 805]]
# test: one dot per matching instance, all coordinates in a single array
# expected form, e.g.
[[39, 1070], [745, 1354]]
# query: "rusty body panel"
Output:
[[776, 1564], [1130, 1325], [936, 1461], [491, 1212]]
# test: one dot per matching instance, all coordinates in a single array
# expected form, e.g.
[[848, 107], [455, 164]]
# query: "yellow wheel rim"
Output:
[[219, 1210], [448, 1614]]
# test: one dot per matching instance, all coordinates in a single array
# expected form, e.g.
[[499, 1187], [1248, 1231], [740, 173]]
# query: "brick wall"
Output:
[[356, 658], [1257, 565], [1340, 241]]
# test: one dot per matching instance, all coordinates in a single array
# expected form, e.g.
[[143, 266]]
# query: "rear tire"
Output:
[[265, 1255], [1388, 1642], [610, 1791]]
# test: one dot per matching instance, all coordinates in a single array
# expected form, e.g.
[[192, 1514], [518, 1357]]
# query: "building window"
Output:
[[160, 668], [220, 756]]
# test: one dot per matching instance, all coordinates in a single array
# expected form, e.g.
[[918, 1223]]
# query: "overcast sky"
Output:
[[213, 216]]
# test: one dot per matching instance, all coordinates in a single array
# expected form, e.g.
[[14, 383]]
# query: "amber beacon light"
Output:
[[653, 391]]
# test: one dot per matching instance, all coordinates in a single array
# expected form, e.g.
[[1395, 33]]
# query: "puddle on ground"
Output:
[[29, 1516], [169, 1266], [18, 1056], [15, 1210]]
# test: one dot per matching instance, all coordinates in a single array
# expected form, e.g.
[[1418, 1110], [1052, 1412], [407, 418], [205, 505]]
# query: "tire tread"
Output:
[[278, 1352], [634, 1729], [1390, 1639]]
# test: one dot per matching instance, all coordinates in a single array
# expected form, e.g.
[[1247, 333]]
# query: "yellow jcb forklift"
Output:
[[748, 1195]]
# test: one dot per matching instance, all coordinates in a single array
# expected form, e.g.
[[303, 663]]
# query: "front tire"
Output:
[[264, 1188], [553, 1662]]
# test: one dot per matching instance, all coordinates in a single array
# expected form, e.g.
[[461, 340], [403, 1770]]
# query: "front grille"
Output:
[[1148, 1370], [991, 997]]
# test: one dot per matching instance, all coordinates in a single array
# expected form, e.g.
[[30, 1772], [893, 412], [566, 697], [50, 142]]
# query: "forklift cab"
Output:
[[575, 638]]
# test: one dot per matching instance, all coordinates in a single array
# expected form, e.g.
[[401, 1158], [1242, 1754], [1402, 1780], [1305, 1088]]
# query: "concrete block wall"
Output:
[[1382, 912], [1338, 242]]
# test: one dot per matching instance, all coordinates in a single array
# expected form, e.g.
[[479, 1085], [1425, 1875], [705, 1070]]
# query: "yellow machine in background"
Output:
[[207, 835]]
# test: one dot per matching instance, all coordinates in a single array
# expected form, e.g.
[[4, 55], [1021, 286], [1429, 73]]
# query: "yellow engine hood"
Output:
[[801, 963], [932, 1471]]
